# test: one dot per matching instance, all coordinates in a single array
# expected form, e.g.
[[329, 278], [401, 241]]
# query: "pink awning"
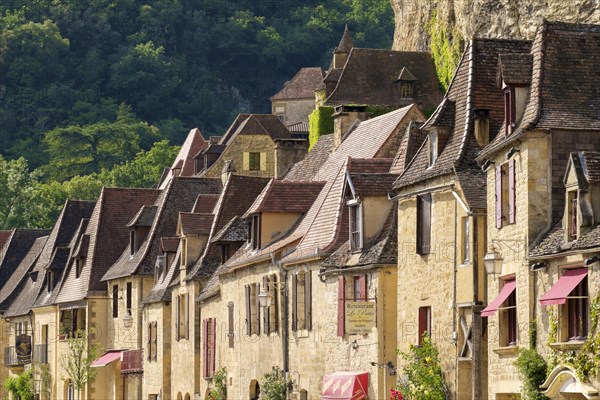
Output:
[[346, 386], [565, 285], [506, 291], [107, 358]]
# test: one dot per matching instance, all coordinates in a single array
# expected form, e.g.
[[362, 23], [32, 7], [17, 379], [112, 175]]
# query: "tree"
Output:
[[19, 202], [77, 361], [273, 386], [21, 387]]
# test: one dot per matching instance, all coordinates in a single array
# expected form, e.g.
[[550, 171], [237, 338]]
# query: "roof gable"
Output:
[[302, 85]]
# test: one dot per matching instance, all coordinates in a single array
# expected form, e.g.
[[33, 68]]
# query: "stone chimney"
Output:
[[481, 126], [344, 117]]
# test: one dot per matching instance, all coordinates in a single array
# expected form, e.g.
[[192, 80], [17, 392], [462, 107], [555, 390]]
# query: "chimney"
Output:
[[481, 126], [214, 139], [344, 117]]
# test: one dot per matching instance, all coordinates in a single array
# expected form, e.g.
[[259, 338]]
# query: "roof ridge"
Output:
[[469, 105]]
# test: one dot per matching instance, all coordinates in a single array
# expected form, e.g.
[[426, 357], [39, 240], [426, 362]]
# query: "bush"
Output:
[[533, 368], [272, 385], [20, 387], [423, 373], [218, 386]]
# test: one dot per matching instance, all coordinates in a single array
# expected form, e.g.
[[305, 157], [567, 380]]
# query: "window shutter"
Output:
[[177, 317], [257, 304], [248, 315], [186, 310], [275, 304], [267, 310], [246, 161], [426, 230], [423, 322], [149, 341], [512, 191], [213, 347], [341, 329], [230, 330], [205, 348], [308, 300], [155, 341], [499, 197], [263, 161], [294, 301], [362, 284]]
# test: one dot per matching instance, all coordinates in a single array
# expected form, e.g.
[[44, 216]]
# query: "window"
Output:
[[301, 301], [183, 252], [72, 321], [356, 223], [252, 309], [433, 147], [466, 240], [424, 322], [254, 161], [152, 341], [281, 117], [254, 231], [572, 214], [209, 346], [129, 297], [509, 110], [273, 309], [424, 224], [224, 253], [577, 312], [79, 262], [50, 281], [508, 321], [406, 90], [505, 194], [115, 301], [132, 246], [182, 317]]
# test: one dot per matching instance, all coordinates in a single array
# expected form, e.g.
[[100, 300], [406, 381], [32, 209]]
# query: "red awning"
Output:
[[565, 285], [346, 386], [506, 291], [107, 358]]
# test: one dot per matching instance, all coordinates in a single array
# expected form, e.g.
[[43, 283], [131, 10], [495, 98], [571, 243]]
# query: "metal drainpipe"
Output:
[[454, 273], [284, 328], [476, 323]]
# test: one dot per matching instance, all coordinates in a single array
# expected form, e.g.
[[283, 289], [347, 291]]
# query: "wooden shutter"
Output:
[[186, 310], [512, 191], [275, 304], [230, 321], [213, 346], [149, 341], [246, 161], [362, 287], [155, 341], [115, 301], [341, 329], [177, 317], [425, 222], [205, 348], [308, 300], [294, 301], [263, 161], [248, 314], [499, 197], [423, 322], [267, 310], [257, 304]]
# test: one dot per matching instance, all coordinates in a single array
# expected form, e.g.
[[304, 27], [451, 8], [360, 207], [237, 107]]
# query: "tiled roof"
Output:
[[346, 43], [211, 149], [591, 164], [205, 203], [233, 128], [411, 142], [4, 235], [235, 230], [382, 249], [143, 217], [61, 235], [286, 196], [195, 223], [161, 291], [514, 69], [15, 282], [372, 184], [306, 169], [554, 242], [192, 145], [179, 195], [473, 86], [108, 237], [262, 124], [302, 85], [370, 77], [16, 247], [169, 244]]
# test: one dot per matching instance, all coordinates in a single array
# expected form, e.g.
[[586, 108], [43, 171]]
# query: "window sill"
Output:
[[507, 351], [567, 346], [301, 333]]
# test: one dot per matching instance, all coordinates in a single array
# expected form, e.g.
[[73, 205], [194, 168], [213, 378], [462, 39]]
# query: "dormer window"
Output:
[[183, 252], [50, 281], [509, 110], [356, 227], [433, 147], [254, 231], [406, 89], [572, 215], [79, 262], [132, 243]]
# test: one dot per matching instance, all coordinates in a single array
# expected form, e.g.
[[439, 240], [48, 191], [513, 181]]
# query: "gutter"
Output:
[[338, 271], [397, 197]]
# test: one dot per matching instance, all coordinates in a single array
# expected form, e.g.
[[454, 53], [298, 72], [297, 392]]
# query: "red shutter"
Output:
[[341, 329], [499, 197], [213, 347], [422, 322], [205, 348], [362, 285], [308, 300], [257, 302], [512, 191], [294, 301], [248, 314]]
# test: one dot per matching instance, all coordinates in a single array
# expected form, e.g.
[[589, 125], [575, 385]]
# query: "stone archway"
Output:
[[254, 391], [562, 383]]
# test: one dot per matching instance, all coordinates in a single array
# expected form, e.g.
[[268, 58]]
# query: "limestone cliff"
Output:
[[515, 19]]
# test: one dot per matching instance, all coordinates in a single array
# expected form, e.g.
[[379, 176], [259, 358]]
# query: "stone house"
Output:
[[296, 100], [442, 221], [283, 258], [256, 145], [536, 195], [38, 281], [131, 277]]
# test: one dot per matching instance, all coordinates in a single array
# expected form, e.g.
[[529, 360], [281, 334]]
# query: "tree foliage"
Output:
[[273, 385], [77, 361], [18, 195], [21, 386]]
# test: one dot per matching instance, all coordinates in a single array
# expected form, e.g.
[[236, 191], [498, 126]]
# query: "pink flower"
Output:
[[396, 395]]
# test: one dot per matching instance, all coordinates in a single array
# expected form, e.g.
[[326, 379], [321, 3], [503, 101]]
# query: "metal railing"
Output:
[[40, 353], [12, 360]]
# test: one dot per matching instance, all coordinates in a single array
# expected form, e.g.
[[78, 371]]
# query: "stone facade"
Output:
[[157, 372], [293, 111]]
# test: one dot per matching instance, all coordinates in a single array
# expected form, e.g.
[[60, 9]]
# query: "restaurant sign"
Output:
[[360, 317]]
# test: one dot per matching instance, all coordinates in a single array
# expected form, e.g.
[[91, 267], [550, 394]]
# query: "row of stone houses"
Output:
[[477, 225]]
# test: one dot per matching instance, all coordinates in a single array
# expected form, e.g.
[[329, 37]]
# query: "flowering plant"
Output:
[[396, 394]]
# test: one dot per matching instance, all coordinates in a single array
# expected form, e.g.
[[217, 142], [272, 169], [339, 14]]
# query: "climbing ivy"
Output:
[[446, 45], [532, 367], [320, 123]]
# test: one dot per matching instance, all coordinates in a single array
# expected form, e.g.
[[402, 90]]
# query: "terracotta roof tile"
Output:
[[554, 242], [235, 230], [372, 184], [205, 203], [514, 69], [306, 169], [233, 128], [591, 163], [302, 85], [143, 217], [169, 244], [286, 196], [262, 124], [4, 235], [195, 223], [411, 142]]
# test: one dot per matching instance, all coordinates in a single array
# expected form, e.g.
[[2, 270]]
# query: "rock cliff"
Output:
[[515, 19]]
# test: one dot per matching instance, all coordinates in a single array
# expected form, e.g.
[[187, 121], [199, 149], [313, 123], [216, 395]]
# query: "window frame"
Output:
[[115, 301], [577, 310], [424, 323], [406, 89], [356, 226], [508, 321], [509, 110], [466, 240], [424, 222], [433, 147], [254, 161], [506, 194]]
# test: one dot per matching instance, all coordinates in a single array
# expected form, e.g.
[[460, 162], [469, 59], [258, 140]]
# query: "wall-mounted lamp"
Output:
[[486, 165], [539, 265], [493, 261], [512, 152], [590, 261]]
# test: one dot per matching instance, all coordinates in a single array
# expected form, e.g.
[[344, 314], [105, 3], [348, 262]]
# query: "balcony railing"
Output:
[[12, 360], [132, 362], [40, 353]]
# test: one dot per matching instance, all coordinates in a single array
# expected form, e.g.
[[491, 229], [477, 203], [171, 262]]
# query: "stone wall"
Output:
[[235, 151], [295, 110], [157, 373]]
